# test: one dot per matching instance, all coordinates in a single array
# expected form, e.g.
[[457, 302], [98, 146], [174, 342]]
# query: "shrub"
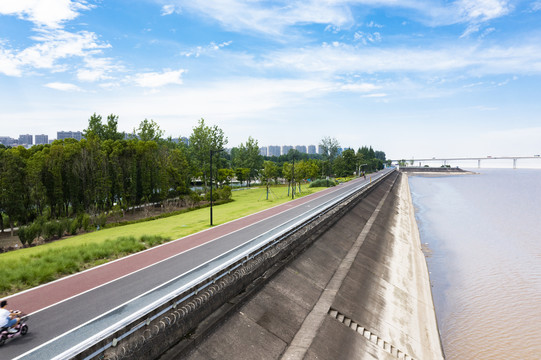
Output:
[[195, 198], [61, 227], [49, 229], [85, 222], [100, 220], [35, 230], [73, 226], [322, 183], [23, 233], [224, 193]]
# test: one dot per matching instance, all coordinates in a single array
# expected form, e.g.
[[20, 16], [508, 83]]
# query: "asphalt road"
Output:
[[63, 305]]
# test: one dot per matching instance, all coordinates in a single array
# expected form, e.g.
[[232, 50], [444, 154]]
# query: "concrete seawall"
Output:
[[361, 291]]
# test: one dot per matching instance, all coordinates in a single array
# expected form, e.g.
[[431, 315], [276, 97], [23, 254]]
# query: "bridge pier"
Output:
[[478, 163], [514, 163]]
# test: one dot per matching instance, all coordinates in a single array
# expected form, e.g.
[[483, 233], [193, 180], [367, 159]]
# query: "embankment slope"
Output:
[[361, 291]]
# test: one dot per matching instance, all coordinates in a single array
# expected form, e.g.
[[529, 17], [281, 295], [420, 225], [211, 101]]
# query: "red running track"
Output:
[[41, 297]]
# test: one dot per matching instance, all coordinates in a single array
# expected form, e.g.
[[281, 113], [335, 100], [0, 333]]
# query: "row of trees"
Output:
[[111, 171]]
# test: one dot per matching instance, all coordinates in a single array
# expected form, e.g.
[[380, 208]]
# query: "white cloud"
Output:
[[240, 15], [48, 13], [372, 24], [52, 46], [363, 87], [63, 86], [155, 80], [375, 95], [483, 10], [366, 38], [278, 18], [168, 9], [97, 69], [9, 64], [331, 59], [205, 50], [536, 6]]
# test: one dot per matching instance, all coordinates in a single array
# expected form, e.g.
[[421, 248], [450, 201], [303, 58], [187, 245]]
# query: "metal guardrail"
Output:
[[204, 275]]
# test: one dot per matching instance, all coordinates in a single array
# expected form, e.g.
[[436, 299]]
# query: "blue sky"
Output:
[[413, 78]]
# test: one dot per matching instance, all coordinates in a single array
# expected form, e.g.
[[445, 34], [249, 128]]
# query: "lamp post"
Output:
[[212, 152], [293, 180]]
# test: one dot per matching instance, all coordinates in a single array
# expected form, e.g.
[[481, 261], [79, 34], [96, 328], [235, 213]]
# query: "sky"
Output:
[[412, 78]]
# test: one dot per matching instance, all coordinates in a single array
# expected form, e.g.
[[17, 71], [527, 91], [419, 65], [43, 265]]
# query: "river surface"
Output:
[[482, 238]]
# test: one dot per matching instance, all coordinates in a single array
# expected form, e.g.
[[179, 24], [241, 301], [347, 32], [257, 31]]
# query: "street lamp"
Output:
[[212, 152], [293, 179]]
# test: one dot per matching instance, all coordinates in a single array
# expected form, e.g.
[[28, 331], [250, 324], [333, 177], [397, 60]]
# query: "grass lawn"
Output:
[[28, 267]]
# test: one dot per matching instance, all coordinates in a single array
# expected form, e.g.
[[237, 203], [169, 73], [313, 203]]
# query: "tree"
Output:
[[95, 127], [12, 185], [148, 130], [242, 174], [287, 173], [269, 172], [225, 176], [380, 155], [350, 161], [330, 148], [35, 171], [247, 156], [179, 171], [97, 130], [339, 166], [202, 141], [111, 129]]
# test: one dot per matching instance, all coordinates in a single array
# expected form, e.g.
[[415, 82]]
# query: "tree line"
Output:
[[110, 171]]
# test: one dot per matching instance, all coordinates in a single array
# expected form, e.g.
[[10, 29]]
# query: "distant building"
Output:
[[274, 150], [77, 135], [311, 149], [185, 140], [26, 139], [301, 148], [41, 139], [286, 148], [320, 150], [263, 151], [8, 141]]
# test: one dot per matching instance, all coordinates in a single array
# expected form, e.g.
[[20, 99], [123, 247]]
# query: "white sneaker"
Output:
[[12, 331]]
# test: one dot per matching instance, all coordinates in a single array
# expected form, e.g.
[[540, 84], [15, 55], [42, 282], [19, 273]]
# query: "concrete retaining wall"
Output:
[[176, 322]]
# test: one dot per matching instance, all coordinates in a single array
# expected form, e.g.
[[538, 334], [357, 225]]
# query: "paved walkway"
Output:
[[41, 297]]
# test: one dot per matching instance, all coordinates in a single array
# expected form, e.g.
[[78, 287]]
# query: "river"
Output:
[[481, 235]]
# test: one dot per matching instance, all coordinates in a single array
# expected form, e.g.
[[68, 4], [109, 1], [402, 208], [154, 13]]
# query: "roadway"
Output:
[[91, 297]]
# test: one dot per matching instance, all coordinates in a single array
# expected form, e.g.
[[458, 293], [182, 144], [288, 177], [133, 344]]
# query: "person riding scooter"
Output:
[[8, 319]]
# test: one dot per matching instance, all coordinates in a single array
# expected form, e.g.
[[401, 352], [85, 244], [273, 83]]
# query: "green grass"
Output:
[[29, 267]]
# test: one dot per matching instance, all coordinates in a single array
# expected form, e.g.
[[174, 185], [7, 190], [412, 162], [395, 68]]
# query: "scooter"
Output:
[[21, 328]]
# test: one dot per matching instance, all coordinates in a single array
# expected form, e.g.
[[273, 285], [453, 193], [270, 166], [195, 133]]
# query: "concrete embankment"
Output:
[[361, 291], [434, 171]]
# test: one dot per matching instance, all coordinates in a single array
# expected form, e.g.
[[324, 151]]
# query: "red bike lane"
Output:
[[41, 297]]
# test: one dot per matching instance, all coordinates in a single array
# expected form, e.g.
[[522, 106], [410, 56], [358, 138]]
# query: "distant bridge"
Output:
[[478, 159]]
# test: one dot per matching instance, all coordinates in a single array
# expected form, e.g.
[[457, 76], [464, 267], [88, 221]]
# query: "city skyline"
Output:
[[39, 139], [414, 79]]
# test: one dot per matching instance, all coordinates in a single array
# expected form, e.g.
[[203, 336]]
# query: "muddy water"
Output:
[[482, 236]]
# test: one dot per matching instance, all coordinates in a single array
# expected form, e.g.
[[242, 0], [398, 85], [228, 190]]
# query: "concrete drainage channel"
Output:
[[182, 323], [370, 336]]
